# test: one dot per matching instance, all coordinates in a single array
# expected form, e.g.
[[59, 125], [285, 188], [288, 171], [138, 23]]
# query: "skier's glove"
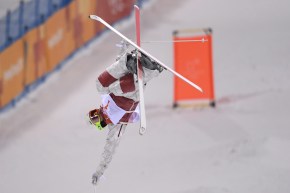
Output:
[[146, 62], [131, 63], [150, 64], [96, 177]]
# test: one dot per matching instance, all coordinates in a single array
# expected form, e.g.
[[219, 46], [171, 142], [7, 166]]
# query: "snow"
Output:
[[240, 146]]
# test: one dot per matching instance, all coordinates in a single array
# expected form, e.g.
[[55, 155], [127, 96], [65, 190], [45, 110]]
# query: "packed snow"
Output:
[[241, 146]]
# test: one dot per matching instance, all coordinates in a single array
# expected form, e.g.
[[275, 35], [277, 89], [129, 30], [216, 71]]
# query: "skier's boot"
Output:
[[96, 118]]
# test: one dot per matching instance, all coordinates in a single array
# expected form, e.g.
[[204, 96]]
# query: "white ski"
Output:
[[97, 18], [142, 128]]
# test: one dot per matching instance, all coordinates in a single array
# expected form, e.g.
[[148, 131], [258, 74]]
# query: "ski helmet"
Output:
[[96, 118]]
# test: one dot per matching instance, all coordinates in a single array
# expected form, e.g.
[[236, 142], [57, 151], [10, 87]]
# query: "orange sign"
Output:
[[193, 59]]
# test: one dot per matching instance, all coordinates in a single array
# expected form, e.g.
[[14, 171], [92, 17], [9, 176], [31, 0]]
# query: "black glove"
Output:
[[150, 64], [131, 63], [146, 62]]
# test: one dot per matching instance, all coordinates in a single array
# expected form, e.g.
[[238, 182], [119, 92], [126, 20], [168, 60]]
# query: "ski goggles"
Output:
[[95, 119]]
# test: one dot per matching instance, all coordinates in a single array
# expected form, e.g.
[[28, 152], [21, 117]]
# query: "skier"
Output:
[[118, 87]]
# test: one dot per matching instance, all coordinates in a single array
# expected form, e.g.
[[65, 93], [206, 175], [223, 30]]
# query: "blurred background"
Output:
[[51, 55]]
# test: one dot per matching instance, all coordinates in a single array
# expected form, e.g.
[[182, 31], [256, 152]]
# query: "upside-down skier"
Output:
[[118, 87]]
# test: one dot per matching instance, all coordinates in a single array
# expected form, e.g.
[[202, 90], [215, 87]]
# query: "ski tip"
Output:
[[200, 90], [196, 87], [142, 130], [136, 7], [94, 17]]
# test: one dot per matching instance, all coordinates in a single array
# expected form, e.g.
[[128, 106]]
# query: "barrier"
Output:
[[11, 73], [194, 61], [85, 8], [111, 12], [69, 38], [75, 25], [29, 43], [3, 30], [55, 33], [40, 34], [40, 54]]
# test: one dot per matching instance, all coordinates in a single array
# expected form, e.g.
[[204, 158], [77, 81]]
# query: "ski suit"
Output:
[[120, 98]]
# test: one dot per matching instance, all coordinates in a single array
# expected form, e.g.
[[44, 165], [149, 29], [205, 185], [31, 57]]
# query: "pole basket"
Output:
[[193, 59]]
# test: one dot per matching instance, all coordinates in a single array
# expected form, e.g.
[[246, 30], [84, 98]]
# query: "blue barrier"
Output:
[[29, 13], [2, 32], [14, 25], [25, 17]]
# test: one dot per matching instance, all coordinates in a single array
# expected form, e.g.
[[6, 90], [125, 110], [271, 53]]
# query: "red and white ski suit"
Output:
[[119, 86], [120, 98]]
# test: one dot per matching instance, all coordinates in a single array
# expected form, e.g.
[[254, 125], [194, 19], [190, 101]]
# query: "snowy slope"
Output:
[[241, 146]]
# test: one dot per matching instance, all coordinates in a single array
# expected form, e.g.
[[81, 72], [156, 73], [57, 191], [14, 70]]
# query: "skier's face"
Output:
[[95, 118]]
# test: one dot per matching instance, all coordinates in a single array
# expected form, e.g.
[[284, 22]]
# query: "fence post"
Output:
[[49, 2], [38, 17], [21, 10], [8, 18]]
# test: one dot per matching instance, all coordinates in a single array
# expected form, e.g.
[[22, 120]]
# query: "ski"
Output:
[[97, 18], [142, 128]]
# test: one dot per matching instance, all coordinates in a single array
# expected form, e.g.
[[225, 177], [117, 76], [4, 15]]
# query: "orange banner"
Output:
[[76, 24], [194, 61], [11, 72], [85, 8], [29, 41], [40, 53], [69, 38], [112, 11], [55, 28], [34, 55]]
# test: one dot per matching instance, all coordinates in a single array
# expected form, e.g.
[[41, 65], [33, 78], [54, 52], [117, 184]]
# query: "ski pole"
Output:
[[95, 188], [174, 41]]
